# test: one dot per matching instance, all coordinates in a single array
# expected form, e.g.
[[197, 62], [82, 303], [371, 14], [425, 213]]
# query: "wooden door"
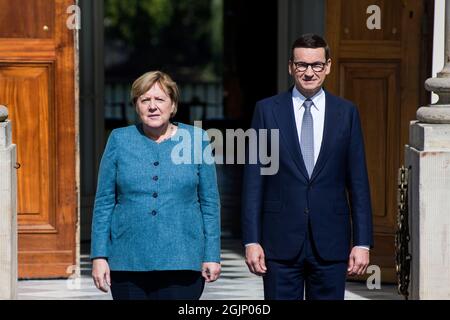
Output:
[[37, 84], [381, 71]]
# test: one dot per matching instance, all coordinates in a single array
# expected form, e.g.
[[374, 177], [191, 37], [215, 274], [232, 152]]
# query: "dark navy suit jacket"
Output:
[[276, 209]]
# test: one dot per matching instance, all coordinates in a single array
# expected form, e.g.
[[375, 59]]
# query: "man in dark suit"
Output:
[[298, 229]]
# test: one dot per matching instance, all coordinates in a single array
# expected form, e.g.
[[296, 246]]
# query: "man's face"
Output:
[[309, 69]]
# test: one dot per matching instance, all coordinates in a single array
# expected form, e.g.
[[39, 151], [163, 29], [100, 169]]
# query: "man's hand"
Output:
[[101, 274], [255, 259], [211, 271], [358, 261]]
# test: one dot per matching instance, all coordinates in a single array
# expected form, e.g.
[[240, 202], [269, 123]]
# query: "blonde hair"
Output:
[[147, 80]]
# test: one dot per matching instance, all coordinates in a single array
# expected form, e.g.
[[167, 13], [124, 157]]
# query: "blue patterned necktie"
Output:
[[307, 137]]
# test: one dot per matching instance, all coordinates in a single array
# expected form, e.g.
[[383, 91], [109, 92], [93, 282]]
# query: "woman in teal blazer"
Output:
[[156, 222]]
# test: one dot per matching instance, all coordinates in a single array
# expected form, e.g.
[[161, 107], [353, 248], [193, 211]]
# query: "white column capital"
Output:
[[440, 85]]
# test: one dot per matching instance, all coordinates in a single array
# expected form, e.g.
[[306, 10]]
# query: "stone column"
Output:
[[8, 210], [428, 156]]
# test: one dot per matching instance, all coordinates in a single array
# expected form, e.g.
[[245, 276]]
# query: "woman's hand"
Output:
[[211, 271], [101, 274]]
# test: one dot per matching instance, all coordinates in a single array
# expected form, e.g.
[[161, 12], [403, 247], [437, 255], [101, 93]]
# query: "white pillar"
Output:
[[8, 211], [428, 156]]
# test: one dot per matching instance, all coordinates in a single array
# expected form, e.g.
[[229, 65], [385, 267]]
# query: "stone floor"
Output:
[[235, 283]]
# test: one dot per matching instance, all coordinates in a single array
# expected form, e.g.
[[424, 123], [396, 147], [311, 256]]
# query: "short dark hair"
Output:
[[312, 41]]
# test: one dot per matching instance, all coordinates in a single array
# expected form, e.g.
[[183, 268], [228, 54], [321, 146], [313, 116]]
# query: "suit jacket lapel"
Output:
[[285, 118], [330, 132]]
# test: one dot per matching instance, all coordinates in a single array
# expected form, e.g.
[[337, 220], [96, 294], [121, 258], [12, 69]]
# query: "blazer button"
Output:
[[154, 213], [306, 210], [156, 163], [155, 178], [155, 195]]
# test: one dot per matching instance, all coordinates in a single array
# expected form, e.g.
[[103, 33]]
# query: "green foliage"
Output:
[[176, 35], [135, 20]]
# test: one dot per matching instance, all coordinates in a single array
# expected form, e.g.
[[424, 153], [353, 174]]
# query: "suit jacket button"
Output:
[[156, 163], [306, 211], [154, 213], [155, 178], [155, 195]]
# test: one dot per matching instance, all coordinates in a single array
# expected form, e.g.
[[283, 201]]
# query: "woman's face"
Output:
[[154, 107]]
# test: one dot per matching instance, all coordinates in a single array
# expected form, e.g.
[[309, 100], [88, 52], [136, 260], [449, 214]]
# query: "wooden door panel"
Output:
[[373, 88], [37, 263], [28, 87], [354, 20], [27, 19], [379, 70], [37, 83]]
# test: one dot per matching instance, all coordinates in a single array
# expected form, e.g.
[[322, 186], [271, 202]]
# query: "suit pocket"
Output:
[[119, 224], [272, 206]]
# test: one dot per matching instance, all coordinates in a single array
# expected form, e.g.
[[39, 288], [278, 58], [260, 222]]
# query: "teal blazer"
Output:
[[151, 212]]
